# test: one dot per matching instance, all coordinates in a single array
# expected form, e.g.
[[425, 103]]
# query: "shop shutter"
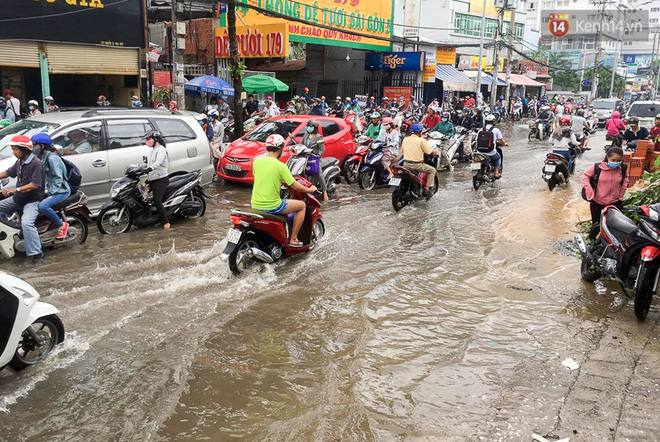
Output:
[[19, 53], [85, 59]]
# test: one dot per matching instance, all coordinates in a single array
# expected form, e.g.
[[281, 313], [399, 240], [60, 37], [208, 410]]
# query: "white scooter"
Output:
[[29, 329], [442, 143]]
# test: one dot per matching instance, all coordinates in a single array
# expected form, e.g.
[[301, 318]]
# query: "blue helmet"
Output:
[[42, 138], [416, 128]]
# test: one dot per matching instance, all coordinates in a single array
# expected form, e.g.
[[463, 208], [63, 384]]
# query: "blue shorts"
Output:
[[279, 209]]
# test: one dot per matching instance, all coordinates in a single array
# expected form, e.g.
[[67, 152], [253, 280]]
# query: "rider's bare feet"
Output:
[[325, 196]]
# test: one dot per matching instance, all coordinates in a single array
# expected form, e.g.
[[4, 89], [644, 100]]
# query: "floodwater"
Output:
[[398, 326]]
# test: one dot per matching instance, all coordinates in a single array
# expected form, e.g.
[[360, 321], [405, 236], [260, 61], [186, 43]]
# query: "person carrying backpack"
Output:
[[488, 140], [605, 183], [57, 186]]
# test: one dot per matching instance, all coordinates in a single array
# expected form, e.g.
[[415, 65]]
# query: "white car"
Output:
[[603, 108], [645, 111], [115, 138]]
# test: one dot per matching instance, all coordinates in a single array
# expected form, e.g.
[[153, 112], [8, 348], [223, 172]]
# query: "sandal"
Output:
[[297, 245]]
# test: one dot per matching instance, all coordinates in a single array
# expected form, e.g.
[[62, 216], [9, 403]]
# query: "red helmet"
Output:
[[20, 141], [564, 121], [173, 105]]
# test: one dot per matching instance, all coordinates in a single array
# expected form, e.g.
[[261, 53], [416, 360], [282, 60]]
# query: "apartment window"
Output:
[[561, 3], [566, 44], [530, 7], [589, 43], [655, 9], [653, 20]]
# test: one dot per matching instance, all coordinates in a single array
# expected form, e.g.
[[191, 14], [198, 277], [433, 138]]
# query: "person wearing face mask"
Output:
[[563, 139], [338, 108], [446, 128], [158, 174], [605, 183], [314, 141], [5, 112], [390, 136], [374, 126], [55, 175], [635, 133], [33, 107]]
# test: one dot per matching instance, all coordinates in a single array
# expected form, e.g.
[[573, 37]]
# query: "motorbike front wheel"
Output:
[[368, 180], [30, 352], [644, 290], [238, 261], [109, 221], [588, 270], [351, 171]]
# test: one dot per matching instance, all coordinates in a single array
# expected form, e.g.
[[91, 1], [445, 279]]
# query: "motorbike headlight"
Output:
[[651, 229], [26, 297], [116, 188]]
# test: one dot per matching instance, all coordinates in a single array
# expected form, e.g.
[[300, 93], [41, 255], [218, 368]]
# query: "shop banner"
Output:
[[163, 79], [267, 40], [397, 92], [362, 100], [394, 61], [102, 22], [445, 56], [429, 66], [367, 17]]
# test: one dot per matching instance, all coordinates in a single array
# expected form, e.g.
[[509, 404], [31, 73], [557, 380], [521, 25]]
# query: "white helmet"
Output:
[[213, 112], [49, 99], [33, 103], [275, 140], [490, 118], [545, 107]]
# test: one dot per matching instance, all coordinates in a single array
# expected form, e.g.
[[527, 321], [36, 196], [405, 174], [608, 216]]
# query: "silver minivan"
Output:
[[603, 108], [108, 140]]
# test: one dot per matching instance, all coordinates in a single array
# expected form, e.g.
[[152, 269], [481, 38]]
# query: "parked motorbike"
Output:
[[252, 122], [72, 210], [626, 252], [353, 163], [555, 169], [302, 163], [260, 236], [130, 205], [407, 185], [29, 329], [482, 171], [517, 113]]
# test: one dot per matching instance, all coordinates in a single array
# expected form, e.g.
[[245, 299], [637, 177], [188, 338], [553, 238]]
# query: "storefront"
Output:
[[41, 56]]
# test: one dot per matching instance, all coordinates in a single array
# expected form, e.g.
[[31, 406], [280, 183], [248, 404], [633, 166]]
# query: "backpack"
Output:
[[73, 175], [594, 180], [486, 140]]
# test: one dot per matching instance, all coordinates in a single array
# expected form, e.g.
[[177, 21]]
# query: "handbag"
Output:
[[312, 167]]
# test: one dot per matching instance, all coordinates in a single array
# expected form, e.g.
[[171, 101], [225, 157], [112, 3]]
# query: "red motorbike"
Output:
[[260, 236], [568, 108], [353, 163], [354, 121], [407, 185]]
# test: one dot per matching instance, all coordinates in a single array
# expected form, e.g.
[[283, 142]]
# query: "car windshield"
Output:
[[23, 127], [603, 104], [262, 132], [644, 110]]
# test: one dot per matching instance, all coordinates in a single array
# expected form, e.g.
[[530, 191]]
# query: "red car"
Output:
[[236, 163]]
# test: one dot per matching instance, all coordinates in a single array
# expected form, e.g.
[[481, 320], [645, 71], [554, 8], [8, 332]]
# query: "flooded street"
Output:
[[446, 321]]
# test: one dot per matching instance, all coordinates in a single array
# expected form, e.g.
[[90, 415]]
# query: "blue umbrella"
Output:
[[210, 84]]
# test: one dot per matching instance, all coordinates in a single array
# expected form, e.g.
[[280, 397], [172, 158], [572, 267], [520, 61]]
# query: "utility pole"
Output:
[[594, 83], [654, 77], [235, 69], [176, 59], [509, 55], [481, 52], [616, 58], [496, 57]]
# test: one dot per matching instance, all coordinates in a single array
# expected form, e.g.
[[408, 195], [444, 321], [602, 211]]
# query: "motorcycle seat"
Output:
[[618, 224], [328, 161], [177, 180], [71, 199], [269, 216]]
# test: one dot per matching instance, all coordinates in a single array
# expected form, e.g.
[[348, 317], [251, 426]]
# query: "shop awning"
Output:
[[453, 79], [485, 78], [520, 80]]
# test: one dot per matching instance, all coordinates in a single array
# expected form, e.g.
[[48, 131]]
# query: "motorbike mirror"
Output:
[[144, 159]]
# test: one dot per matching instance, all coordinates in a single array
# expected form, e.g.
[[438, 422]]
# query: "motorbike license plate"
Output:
[[475, 166], [550, 167], [233, 167], [395, 181], [234, 236]]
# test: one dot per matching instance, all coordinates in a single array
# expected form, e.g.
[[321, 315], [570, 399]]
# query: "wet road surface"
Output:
[[446, 321]]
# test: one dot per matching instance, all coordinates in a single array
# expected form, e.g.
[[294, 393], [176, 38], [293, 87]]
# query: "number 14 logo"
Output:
[[559, 25]]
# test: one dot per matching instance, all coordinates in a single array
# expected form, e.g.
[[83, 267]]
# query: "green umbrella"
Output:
[[259, 84]]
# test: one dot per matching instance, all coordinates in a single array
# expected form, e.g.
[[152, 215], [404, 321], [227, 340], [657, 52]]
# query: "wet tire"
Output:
[[644, 291], [552, 183], [318, 231], [107, 222], [202, 210], [477, 181], [80, 227], [351, 171], [368, 180], [398, 200], [436, 183], [237, 264], [28, 353], [588, 271]]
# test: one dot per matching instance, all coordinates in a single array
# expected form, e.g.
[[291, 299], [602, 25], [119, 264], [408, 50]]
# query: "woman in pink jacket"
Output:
[[613, 126], [610, 186]]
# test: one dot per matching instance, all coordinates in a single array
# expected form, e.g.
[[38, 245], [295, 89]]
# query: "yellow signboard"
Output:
[[477, 7], [366, 17], [445, 55], [267, 40], [428, 76], [474, 62]]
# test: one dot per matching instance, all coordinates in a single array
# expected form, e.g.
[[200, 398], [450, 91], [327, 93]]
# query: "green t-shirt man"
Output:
[[269, 173], [373, 131]]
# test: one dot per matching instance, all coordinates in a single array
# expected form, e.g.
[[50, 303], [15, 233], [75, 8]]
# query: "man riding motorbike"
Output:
[[498, 139], [413, 149], [547, 117], [374, 127], [635, 133], [269, 173], [446, 128], [314, 141], [578, 125], [562, 139], [338, 108]]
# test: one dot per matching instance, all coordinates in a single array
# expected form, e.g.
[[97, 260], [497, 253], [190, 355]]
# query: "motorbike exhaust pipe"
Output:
[[581, 244], [260, 255]]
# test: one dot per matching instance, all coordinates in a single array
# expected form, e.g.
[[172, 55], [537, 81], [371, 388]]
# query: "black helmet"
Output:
[[313, 123], [633, 121], [156, 135]]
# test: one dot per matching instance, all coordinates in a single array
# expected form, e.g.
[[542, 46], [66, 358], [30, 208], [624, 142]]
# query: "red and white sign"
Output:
[[558, 25], [397, 92]]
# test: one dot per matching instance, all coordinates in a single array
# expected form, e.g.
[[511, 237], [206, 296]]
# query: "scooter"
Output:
[[72, 210], [303, 164], [453, 146], [538, 129], [517, 113], [407, 185], [555, 169], [29, 329], [260, 236], [353, 163], [613, 141], [130, 205], [626, 252], [373, 173], [482, 171]]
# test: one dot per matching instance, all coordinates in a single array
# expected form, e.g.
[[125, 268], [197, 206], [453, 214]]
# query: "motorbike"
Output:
[[301, 163], [353, 163], [538, 129], [622, 250], [373, 173], [613, 141], [407, 185], [131, 205], [568, 108], [72, 210], [453, 144], [517, 113], [354, 121], [260, 236], [555, 169], [482, 171], [29, 329], [252, 122]]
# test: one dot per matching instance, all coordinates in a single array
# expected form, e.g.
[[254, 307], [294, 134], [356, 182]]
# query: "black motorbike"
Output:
[[407, 185], [555, 168], [482, 170], [184, 198], [622, 250]]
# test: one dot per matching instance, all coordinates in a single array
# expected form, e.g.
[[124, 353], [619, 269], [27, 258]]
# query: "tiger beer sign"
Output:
[[559, 25]]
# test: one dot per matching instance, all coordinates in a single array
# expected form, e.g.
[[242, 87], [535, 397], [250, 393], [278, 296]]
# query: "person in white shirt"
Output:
[[390, 136], [13, 103], [271, 109]]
